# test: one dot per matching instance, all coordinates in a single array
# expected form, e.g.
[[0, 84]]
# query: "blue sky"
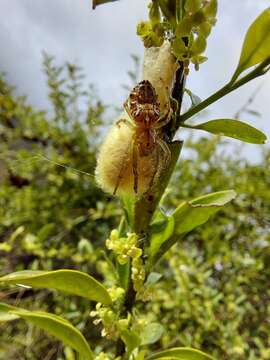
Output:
[[101, 41]]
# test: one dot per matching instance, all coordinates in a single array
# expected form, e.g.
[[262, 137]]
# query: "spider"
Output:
[[146, 120]]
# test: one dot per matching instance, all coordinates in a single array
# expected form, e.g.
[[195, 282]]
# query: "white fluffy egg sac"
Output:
[[115, 162], [159, 67], [115, 165]]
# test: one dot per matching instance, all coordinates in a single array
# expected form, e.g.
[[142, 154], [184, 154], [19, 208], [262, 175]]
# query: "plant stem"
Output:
[[146, 205], [229, 87], [177, 95]]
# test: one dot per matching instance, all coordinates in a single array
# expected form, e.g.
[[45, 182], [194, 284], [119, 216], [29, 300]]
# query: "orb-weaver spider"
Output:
[[146, 120]]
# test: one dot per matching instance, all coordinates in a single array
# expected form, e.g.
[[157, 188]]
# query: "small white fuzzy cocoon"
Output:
[[159, 68], [115, 159]]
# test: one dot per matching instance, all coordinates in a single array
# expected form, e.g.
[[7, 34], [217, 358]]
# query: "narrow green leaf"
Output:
[[55, 326], [131, 339], [256, 46], [151, 333], [160, 232], [100, 2], [196, 212], [153, 278], [5, 315], [195, 99], [128, 204], [70, 281], [123, 273], [180, 354], [233, 128]]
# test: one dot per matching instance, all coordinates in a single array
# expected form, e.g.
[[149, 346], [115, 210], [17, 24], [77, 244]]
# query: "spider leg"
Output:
[[126, 107], [175, 110], [156, 171], [167, 152], [164, 119], [174, 104], [120, 175], [126, 122], [171, 106], [159, 165]]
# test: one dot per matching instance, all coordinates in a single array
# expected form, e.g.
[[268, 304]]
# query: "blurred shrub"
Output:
[[214, 294], [50, 216]]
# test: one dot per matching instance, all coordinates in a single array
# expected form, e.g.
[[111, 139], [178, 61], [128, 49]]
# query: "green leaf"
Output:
[[191, 214], [151, 333], [70, 281], [140, 355], [192, 5], [233, 128], [168, 9], [128, 204], [178, 48], [154, 13], [180, 354], [195, 99], [256, 46], [45, 231], [123, 273], [160, 232], [55, 326], [153, 278], [131, 339], [5, 315], [199, 45], [210, 9], [100, 2], [183, 29]]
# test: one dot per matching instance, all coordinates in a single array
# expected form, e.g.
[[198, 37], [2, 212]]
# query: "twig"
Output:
[[229, 87]]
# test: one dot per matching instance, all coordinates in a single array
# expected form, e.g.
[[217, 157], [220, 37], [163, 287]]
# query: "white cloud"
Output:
[[102, 41]]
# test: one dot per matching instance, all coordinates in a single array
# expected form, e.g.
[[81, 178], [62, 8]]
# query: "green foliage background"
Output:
[[214, 293]]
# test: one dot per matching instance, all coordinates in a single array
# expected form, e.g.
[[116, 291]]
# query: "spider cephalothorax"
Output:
[[143, 104]]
